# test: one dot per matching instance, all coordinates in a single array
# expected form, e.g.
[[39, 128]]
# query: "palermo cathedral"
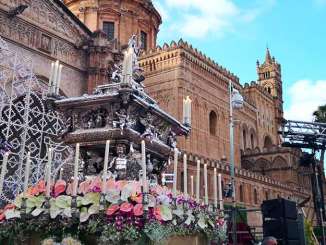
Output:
[[87, 37]]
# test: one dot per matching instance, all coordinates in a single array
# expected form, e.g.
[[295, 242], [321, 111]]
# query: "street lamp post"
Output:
[[236, 102]]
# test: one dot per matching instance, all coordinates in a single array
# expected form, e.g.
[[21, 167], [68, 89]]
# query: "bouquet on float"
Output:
[[118, 215]]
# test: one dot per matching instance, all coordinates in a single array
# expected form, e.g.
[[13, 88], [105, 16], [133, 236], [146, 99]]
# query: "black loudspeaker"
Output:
[[280, 220], [282, 229], [294, 242], [279, 208]]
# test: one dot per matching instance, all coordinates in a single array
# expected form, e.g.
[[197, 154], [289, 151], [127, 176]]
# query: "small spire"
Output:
[[268, 58]]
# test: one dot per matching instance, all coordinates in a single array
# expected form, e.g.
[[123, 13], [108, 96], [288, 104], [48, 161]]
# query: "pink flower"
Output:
[[137, 198], [84, 187], [2, 216], [36, 190], [157, 213], [41, 186], [69, 189], [220, 222], [120, 184], [138, 209], [126, 207], [96, 185], [112, 209], [110, 184], [157, 190], [32, 191], [9, 206], [136, 187], [59, 187]]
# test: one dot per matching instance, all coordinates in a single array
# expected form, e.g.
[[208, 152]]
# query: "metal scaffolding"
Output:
[[312, 136]]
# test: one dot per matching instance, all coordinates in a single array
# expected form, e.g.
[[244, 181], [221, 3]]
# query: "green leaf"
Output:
[[35, 201], [178, 212], [54, 212], [67, 212], [12, 213], [84, 215], [94, 209], [37, 211], [211, 223], [91, 198], [79, 201], [190, 218], [63, 202], [166, 213], [202, 222], [18, 200]]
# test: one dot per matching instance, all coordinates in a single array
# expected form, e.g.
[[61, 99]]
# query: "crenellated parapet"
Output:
[[255, 85], [186, 50]]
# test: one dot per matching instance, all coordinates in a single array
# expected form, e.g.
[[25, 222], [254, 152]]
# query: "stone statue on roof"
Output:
[[131, 72]]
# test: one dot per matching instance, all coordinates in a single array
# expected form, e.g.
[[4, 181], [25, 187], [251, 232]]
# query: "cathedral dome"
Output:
[[120, 19]]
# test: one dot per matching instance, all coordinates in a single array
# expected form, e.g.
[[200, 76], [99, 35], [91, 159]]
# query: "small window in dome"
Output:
[[143, 39]]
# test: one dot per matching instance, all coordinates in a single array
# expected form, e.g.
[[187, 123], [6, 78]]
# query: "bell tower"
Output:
[[270, 78]]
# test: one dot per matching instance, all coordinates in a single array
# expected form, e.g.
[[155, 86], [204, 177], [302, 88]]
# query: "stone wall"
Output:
[[44, 34], [129, 17]]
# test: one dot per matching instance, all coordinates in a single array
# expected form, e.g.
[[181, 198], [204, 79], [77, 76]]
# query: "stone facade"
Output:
[[127, 16], [263, 169], [48, 31]]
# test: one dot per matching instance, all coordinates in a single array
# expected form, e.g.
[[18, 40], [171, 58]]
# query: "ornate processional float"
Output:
[[123, 145]]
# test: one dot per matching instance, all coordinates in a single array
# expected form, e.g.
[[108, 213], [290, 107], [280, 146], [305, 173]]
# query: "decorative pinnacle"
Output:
[[268, 58]]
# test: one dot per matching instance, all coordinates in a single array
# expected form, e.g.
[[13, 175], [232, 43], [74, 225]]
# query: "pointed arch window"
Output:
[[244, 137], [252, 141], [268, 143], [212, 123]]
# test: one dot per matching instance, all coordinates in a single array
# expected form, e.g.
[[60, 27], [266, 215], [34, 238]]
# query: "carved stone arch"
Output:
[[269, 87], [196, 102], [268, 142], [213, 119], [280, 162], [247, 164], [195, 112], [252, 138], [205, 106], [261, 165], [244, 136]]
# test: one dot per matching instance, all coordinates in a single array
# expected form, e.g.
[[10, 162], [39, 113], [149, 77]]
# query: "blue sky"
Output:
[[235, 33]]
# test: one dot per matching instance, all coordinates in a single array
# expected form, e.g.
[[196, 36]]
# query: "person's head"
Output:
[[269, 241]]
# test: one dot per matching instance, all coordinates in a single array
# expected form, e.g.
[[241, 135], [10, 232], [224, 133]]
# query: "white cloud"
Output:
[[201, 18], [304, 98]]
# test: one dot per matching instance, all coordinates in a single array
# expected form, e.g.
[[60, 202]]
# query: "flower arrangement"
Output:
[[121, 215]]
